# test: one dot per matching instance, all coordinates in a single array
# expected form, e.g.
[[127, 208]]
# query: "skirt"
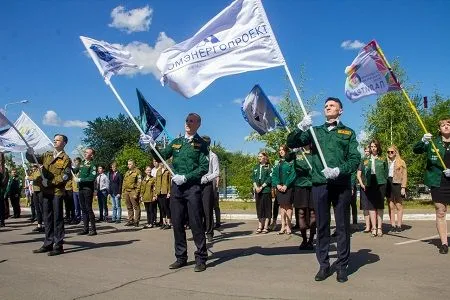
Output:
[[284, 198], [375, 194], [441, 194], [263, 205], [363, 200], [303, 197], [393, 191]]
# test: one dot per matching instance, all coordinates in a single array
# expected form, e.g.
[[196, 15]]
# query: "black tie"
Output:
[[331, 124]]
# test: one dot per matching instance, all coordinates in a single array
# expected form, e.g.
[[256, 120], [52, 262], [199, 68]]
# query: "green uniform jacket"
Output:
[[35, 176], [88, 172], [434, 167], [147, 188], [132, 181], [262, 174], [381, 170], [4, 178], [14, 186], [283, 173], [55, 169], [188, 158], [302, 170], [339, 147], [162, 182]]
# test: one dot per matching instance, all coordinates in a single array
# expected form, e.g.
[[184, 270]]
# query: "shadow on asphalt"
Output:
[[359, 259], [228, 225], [435, 242], [83, 245], [38, 239]]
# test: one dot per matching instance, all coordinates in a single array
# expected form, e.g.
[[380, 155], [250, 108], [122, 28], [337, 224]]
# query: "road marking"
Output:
[[418, 240]]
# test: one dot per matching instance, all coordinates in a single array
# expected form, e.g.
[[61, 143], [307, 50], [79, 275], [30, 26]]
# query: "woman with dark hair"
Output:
[[262, 182], [283, 177], [437, 176], [375, 172], [396, 187]]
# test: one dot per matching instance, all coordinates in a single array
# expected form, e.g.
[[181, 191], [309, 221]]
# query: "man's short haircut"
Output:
[[131, 160], [78, 159], [65, 139], [93, 151], [197, 116], [207, 139], [335, 100]]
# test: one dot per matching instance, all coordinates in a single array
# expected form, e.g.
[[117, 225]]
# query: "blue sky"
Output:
[[42, 58]]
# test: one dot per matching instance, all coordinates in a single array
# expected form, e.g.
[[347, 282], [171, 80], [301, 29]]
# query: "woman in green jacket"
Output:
[[262, 182], [375, 174], [437, 176], [283, 176], [147, 197]]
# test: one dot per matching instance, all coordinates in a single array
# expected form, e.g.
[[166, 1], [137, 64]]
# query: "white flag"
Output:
[[12, 142], [237, 40], [108, 59]]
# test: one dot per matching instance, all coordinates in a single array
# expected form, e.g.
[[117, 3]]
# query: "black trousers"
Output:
[[69, 205], [217, 207], [161, 208], [276, 209], [38, 206], [86, 197], [150, 209], [208, 207], [15, 203], [54, 220], [2, 209], [353, 206], [188, 198], [323, 197]]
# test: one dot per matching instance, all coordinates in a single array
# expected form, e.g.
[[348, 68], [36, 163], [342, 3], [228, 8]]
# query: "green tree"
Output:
[[141, 158], [109, 135]]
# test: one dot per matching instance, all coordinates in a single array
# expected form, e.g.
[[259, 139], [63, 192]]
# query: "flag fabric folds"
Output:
[[369, 74], [152, 123], [260, 113], [239, 39], [108, 59], [10, 141]]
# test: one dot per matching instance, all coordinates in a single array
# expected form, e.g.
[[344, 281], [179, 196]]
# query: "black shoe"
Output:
[[162, 227], [303, 246], [56, 251], [129, 223], [75, 222], [296, 226], [136, 224], [84, 232], [178, 264], [117, 221], [443, 249], [43, 249], [341, 275], [309, 246], [167, 227], [209, 238], [37, 229], [334, 234], [322, 274], [200, 267], [2, 224], [92, 233]]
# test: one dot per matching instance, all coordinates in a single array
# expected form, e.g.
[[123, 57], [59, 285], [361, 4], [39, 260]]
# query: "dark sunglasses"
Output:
[[391, 152]]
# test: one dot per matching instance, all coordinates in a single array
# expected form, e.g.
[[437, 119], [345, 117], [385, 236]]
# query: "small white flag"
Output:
[[108, 59], [237, 40], [10, 141]]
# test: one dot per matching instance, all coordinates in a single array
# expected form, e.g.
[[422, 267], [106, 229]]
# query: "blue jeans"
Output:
[[117, 209], [76, 202], [102, 197]]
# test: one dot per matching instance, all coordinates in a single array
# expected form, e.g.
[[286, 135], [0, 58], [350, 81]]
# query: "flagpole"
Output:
[[108, 83], [313, 134], [411, 104], [302, 150], [164, 129]]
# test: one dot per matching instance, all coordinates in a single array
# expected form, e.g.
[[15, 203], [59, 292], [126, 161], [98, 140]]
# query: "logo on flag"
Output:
[[369, 75], [239, 39], [260, 113]]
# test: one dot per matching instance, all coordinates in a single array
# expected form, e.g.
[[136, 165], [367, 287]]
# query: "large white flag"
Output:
[[12, 142], [237, 40], [108, 59]]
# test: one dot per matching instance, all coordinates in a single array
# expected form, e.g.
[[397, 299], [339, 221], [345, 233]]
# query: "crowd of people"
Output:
[[318, 168]]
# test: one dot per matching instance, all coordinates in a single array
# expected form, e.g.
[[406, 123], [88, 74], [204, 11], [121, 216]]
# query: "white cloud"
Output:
[[362, 137], [275, 99], [51, 118], [238, 101], [351, 45], [134, 20]]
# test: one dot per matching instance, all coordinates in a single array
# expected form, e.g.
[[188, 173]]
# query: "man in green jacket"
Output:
[[331, 185]]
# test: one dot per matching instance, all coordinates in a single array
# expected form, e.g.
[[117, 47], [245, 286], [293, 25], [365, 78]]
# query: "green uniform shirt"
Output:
[[302, 169], [339, 147], [35, 176], [162, 181], [87, 172], [381, 170], [262, 174], [55, 169], [132, 181], [147, 188], [434, 168], [283, 173], [188, 158], [14, 186]]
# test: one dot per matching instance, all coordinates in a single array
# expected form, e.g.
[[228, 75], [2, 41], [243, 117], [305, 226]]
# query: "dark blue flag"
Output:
[[152, 123]]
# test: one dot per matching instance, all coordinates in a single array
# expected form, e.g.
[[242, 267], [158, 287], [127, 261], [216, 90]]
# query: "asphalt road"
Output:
[[124, 263]]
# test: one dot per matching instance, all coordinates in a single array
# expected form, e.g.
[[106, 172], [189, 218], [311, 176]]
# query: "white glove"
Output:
[[179, 179], [331, 173], [77, 179], [44, 182], [30, 150], [147, 139], [446, 172], [427, 138], [305, 123], [203, 180]]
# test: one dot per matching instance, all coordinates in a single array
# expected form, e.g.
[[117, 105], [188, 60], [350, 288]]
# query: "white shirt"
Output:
[[372, 166], [213, 171], [102, 182], [391, 168]]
